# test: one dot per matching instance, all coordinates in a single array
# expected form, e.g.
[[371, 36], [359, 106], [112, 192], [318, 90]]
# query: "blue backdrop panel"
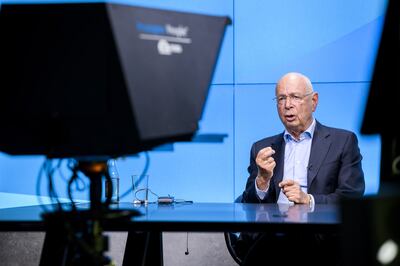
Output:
[[340, 105], [18, 174], [202, 172], [330, 40], [198, 171]]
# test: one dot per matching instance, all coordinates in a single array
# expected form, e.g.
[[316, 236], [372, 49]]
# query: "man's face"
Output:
[[295, 104]]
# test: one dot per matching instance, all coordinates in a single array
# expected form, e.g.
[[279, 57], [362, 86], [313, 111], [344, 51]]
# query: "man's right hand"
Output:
[[265, 164]]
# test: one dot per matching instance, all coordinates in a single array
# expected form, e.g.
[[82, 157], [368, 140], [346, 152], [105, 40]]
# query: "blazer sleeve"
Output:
[[350, 178]]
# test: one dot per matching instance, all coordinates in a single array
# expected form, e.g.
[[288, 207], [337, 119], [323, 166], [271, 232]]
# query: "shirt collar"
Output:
[[308, 133]]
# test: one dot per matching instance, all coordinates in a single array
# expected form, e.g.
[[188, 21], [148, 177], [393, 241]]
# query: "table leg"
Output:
[[143, 248]]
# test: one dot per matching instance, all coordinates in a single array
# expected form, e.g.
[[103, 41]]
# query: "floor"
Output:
[[23, 248]]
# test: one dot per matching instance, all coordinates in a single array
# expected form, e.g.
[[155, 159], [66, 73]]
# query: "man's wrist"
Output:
[[311, 201], [261, 183]]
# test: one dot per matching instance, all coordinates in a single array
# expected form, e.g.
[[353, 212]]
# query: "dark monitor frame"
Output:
[[81, 81]]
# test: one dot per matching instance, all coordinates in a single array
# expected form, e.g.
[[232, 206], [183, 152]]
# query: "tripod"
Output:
[[75, 236]]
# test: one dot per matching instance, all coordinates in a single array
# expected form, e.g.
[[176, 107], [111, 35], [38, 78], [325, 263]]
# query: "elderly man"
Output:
[[308, 163]]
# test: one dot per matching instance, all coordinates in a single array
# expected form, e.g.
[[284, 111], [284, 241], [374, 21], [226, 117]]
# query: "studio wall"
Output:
[[333, 42]]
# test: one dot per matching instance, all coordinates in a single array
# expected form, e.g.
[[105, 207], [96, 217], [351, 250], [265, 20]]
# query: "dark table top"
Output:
[[194, 217]]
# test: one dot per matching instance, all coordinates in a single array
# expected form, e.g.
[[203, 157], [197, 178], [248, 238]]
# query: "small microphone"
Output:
[[187, 244], [309, 167]]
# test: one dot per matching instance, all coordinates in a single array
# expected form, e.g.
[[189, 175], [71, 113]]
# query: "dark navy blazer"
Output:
[[334, 168]]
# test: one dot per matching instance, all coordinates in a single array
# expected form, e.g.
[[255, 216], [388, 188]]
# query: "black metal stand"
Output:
[[75, 237]]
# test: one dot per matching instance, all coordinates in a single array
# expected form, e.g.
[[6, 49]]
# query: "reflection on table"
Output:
[[196, 217]]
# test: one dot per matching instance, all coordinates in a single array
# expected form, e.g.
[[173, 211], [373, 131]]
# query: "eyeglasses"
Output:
[[294, 98]]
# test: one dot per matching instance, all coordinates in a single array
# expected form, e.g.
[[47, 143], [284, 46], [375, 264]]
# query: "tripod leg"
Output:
[[55, 249]]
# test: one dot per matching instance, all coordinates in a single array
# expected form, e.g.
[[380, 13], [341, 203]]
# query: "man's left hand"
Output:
[[293, 192]]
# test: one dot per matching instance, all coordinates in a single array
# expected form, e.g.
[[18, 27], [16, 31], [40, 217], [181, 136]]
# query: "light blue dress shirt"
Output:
[[297, 155]]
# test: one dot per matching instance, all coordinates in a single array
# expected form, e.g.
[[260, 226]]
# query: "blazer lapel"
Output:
[[279, 157], [319, 149]]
